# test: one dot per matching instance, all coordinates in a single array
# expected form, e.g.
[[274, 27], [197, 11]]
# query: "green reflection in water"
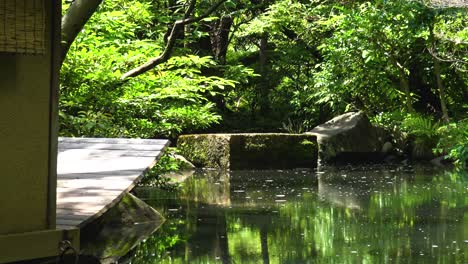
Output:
[[347, 215]]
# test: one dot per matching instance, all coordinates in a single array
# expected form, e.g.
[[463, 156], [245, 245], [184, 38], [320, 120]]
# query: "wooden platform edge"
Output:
[[37, 244], [128, 189]]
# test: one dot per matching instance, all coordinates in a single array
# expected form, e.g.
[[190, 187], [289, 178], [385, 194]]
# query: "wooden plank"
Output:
[[77, 165], [110, 184], [89, 210], [81, 208], [132, 141], [85, 191], [67, 211], [72, 217], [106, 154], [73, 197], [94, 174], [70, 214], [65, 227], [69, 202], [69, 222], [95, 212], [110, 157], [90, 200], [111, 146], [103, 175], [64, 200]]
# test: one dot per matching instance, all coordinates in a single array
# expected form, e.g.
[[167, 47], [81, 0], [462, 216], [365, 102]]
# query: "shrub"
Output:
[[453, 142]]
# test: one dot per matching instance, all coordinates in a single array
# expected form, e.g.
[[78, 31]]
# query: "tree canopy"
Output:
[[159, 68]]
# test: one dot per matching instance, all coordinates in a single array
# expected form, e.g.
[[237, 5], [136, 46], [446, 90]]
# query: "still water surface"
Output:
[[371, 214]]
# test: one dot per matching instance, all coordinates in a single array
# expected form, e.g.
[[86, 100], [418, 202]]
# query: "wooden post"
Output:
[[29, 70], [55, 62]]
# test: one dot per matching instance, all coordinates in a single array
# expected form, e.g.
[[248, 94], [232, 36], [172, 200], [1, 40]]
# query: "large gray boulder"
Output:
[[349, 137]]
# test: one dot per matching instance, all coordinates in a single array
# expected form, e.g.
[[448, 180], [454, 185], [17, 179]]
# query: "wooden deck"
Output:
[[94, 174]]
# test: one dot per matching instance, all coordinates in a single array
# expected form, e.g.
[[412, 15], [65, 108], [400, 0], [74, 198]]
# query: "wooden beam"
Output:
[[55, 22], [40, 244]]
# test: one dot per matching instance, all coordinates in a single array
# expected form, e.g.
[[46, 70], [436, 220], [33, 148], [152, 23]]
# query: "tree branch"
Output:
[[74, 20], [190, 9], [165, 55], [237, 26], [451, 60]]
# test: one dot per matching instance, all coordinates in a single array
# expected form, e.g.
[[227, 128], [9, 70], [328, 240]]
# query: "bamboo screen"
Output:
[[22, 26]]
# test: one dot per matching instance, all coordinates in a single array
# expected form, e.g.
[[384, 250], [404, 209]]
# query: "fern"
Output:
[[295, 127], [420, 126]]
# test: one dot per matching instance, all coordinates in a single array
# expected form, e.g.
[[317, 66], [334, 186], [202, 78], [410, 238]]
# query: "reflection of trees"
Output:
[[222, 238], [209, 187], [258, 231], [404, 218], [264, 245], [401, 216]]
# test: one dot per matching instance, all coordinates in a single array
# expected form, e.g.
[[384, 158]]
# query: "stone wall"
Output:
[[250, 151]]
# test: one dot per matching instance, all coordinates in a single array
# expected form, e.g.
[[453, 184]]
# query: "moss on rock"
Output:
[[205, 150], [349, 137], [250, 151]]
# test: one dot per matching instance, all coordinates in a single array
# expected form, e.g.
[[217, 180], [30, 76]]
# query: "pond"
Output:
[[371, 214]]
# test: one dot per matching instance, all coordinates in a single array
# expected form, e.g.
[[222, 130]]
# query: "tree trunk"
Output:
[[440, 85], [74, 20], [441, 88], [220, 38], [405, 85], [264, 89], [215, 44]]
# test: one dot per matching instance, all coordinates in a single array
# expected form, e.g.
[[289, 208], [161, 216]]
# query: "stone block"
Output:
[[249, 151]]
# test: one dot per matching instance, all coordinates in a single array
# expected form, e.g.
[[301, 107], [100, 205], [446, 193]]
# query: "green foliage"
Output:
[[157, 246], [459, 153], [420, 126], [369, 53], [167, 101], [295, 127], [423, 133], [289, 65], [166, 164], [280, 91], [447, 139], [324, 58], [391, 122], [451, 33], [453, 142]]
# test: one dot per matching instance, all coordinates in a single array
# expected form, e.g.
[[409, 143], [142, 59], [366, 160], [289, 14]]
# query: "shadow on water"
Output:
[[375, 214], [110, 237], [119, 230]]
